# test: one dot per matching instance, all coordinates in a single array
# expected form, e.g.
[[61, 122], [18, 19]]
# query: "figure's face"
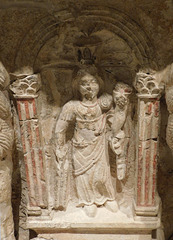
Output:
[[119, 99], [88, 87]]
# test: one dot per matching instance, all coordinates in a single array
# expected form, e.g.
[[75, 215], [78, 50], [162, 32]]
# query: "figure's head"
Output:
[[88, 86], [87, 83], [121, 93]]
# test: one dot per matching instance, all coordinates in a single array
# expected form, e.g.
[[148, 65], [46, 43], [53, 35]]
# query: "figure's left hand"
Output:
[[116, 142], [115, 145]]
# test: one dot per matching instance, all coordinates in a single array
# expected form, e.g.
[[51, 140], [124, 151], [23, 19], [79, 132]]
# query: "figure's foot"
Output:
[[90, 210], [111, 206]]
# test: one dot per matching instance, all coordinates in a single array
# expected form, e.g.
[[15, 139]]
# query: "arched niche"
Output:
[[106, 37], [56, 44], [86, 23]]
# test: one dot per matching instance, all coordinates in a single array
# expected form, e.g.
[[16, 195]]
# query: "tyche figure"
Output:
[[89, 151]]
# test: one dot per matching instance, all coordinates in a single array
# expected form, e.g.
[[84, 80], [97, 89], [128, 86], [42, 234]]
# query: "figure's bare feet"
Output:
[[111, 206], [90, 210]]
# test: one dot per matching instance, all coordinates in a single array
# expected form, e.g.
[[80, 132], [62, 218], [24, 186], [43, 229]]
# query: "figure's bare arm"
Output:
[[66, 116], [119, 119], [60, 139], [60, 132], [121, 100]]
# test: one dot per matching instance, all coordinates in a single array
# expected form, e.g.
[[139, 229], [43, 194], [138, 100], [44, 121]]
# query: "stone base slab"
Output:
[[75, 225], [71, 236], [77, 222]]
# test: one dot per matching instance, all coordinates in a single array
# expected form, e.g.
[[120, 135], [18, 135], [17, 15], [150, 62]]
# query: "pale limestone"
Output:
[[89, 144], [106, 119], [121, 38], [6, 165], [68, 236]]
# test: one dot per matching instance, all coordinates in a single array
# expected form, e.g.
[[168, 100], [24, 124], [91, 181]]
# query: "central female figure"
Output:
[[89, 146]]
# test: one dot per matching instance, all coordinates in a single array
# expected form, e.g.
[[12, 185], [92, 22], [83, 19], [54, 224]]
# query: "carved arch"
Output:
[[115, 21]]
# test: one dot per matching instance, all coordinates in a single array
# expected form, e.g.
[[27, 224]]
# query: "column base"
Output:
[[147, 211], [34, 211]]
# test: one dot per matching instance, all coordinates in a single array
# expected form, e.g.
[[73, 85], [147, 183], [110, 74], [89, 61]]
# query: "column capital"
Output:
[[147, 85], [25, 86]]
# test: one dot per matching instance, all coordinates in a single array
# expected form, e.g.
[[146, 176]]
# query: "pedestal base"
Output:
[[73, 236], [74, 224]]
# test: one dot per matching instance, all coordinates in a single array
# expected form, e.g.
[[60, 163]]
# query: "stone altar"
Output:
[[82, 181], [42, 77]]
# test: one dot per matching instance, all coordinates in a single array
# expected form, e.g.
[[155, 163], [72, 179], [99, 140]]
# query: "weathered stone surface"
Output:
[[6, 165], [119, 38], [25, 89], [67, 236]]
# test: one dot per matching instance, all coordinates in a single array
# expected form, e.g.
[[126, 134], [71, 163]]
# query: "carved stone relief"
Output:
[[88, 146], [166, 77], [25, 87], [84, 122], [6, 165], [149, 90], [80, 131]]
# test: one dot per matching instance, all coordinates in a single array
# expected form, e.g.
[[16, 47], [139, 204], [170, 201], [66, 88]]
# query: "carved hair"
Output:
[[5, 112], [78, 74], [4, 77]]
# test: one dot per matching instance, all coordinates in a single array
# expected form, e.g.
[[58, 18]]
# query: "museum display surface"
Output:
[[86, 120]]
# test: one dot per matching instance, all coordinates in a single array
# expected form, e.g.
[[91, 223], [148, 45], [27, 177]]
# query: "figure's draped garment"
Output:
[[90, 158]]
